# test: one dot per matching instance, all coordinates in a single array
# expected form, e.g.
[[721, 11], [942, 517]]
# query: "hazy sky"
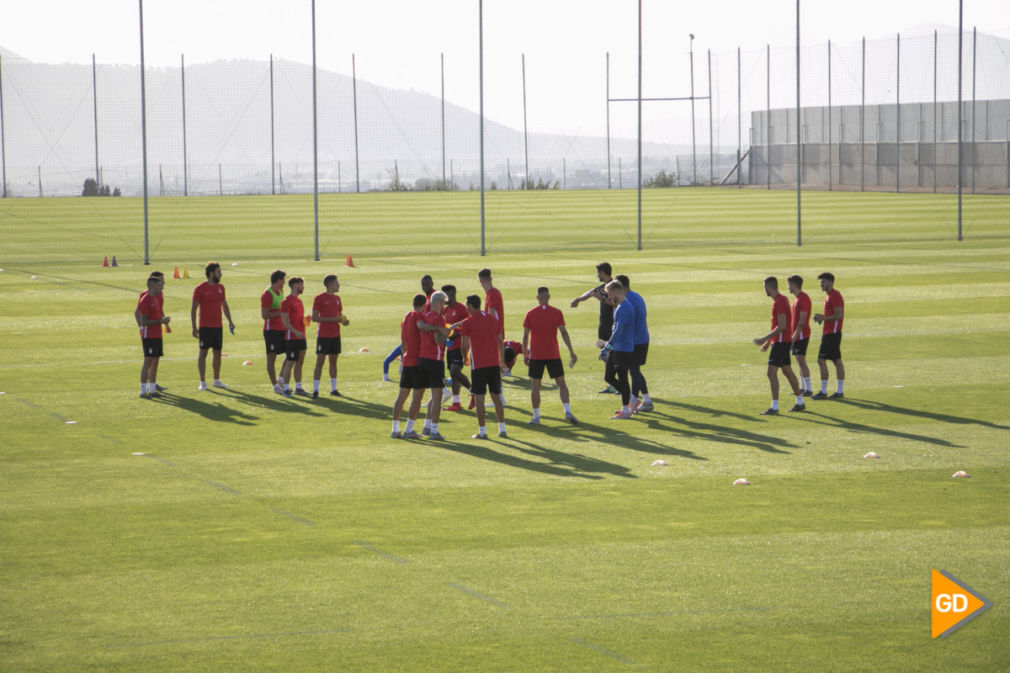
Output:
[[398, 43]]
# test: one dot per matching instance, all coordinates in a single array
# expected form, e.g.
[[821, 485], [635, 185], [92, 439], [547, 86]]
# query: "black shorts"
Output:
[[778, 356], [454, 357], [327, 345], [641, 353], [152, 348], [800, 347], [831, 347], [295, 347], [486, 379], [275, 342], [413, 378], [211, 338], [619, 361], [554, 368], [432, 372]]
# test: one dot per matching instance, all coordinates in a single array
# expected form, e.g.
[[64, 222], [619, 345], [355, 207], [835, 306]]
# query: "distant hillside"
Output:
[[48, 111]]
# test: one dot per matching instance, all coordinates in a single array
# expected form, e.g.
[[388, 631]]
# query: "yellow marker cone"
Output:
[[185, 272]]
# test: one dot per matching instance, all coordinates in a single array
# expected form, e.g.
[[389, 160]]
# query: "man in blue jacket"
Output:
[[639, 388], [619, 352]]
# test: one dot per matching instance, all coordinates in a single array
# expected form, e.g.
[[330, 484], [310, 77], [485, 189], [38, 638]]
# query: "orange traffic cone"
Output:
[[106, 262], [185, 272], [350, 262], [114, 262], [176, 274]]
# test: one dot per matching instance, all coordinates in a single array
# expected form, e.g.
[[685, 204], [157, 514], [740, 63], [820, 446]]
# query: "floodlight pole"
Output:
[[609, 182], [829, 117], [526, 137], [94, 99], [143, 128], [640, 122], [799, 146], [711, 151], [443, 119], [3, 141], [897, 116], [960, 114], [185, 174], [480, 40], [694, 154], [354, 91], [273, 163], [315, 138]]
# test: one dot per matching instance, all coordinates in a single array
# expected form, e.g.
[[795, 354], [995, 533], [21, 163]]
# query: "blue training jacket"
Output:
[[622, 336], [641, 326]]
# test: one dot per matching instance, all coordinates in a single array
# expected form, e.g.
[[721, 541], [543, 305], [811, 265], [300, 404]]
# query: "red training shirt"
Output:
[[429, 348], [801, 303], [150, 307], [452, 315], [411, 337], [780, 305], [293, 306], [543, 323], [267, 301], [831, 302], [482, 329], [327, 306], [209, 296], [493, 300]]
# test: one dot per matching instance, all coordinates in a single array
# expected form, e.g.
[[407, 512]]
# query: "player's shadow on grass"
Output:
[[577, 461], [356, 407], [919, 413], [209, 410], [814, 416], [482, 449], [620, 435], [710, 432], [274, 402]]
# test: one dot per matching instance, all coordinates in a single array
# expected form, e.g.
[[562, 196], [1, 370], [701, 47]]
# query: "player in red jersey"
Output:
[[800, 330], [151, 318], [540, 351], [209, 297], [831, 339], [779, 339], [513, 351], [273, 326], [427, 286], [433, 336], [293, 317], [412, 381], [493, 302], [328, 311], [136, 316], [454, 348], [487, 356]]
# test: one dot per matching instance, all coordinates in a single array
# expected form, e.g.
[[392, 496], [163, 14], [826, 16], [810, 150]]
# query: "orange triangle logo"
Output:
[[954, 603]]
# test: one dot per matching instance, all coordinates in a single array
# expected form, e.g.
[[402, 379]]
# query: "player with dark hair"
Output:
[[328, 311], [455, 312], [639, 387], [151, 317], [800, 330], [273, 326], [209, 297], [136, 316], [606, 324], [412, 381], [486, 347], [427, 286], [831, 339], [780, 340], [540, 351], [619, 351], [433, 337], [293, 317]]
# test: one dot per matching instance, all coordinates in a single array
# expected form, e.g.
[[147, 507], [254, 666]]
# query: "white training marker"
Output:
[[659, 463], [71, 422], [741, 482], [35, 277], [899, 386], [247, 363], [961, 474], [872, 454], [234, 263], [139, 454]]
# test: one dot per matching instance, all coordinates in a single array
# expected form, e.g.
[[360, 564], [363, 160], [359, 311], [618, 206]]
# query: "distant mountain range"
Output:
[[49, 120]]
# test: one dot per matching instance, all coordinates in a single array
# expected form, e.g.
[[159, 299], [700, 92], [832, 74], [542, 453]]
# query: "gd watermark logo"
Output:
[[954, 603]]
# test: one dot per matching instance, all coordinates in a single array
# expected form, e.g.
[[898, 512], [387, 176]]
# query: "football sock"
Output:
[[841, 385], [143, 388], [315, 385], [434, 428], [646, 399], [396, 427], [806, 384], [799, 400], [536, 414], [568, 408], [626, 410], [501, 427], [481, 430], [333, 385], [455, 399], [775, 405], [427, 424], [410, 426], [824, 387]]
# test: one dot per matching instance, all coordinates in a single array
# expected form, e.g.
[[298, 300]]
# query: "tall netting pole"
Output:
[[768, 115], [897, 114], [185, 161], [960, 114], [526, 137], [862, 125], [799, 126], [694, 152], [711, 150], [480, 40], [3, 139], [640, 118], [974, 148], [829, 118], [315, 140], [443, 119], [935, 44], [94, 100], [273, 162], [143, 128], [609, 181], [739, 123], [354, 100]]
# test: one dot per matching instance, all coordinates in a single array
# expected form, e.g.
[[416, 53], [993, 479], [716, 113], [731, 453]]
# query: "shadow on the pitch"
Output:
[[210, 410], [621, 434], [274, 402], [684, 426], [814, 416], [871, 405], [482, 449], [584, 465]]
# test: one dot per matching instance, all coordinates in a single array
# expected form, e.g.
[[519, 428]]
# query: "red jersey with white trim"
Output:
[[780, 305], [209, 296], [543, 323], [327, 306], [161, 303], [411, 337], [452, 315], [482, 330], [429, 348], [831, 302], [295, 310], [269, 300], [150, 307], [800, 304], [493, 300]]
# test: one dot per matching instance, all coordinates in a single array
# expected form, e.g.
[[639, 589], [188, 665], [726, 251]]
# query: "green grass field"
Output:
[[260, 533]]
